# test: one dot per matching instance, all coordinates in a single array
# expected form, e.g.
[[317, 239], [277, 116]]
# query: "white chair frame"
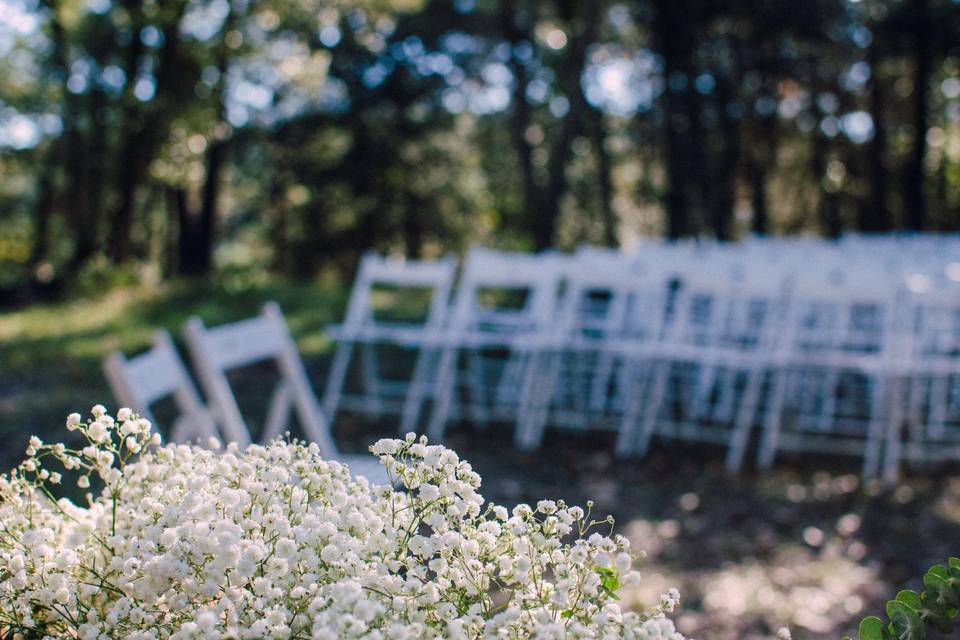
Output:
[[472, 328], [265, 337], [580, 358], [744, 314], [838, 351], [361, 329], [926, 377], [142, 380]]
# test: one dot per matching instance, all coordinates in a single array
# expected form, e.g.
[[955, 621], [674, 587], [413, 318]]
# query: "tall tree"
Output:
[[915, 199]]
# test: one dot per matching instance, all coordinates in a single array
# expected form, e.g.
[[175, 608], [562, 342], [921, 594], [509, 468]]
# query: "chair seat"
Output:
[[366, 465], [404, 335]]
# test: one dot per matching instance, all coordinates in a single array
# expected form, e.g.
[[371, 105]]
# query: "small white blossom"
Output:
[[276, 542]]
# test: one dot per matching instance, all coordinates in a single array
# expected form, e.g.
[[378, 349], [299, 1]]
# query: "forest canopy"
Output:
[[195, 135]]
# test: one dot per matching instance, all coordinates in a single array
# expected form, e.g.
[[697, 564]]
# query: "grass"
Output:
[[807, 544]]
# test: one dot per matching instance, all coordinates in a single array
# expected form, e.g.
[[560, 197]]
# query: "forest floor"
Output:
[[806, 545]]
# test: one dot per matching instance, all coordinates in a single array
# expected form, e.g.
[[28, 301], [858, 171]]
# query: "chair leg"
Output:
[[632, 381], [527, 409], [479, 398], [743, 423], [651, 412], [371, 380], [831, 388], [705, 381], [894, 445], [875, 429], [774, 421], [511, 379], [727, 401], [338, 373], [539, 387], [278, 416], [939, 401], [446, 388], [600, 388], [413, 403]]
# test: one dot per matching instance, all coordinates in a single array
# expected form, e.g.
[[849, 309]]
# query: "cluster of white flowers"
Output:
[[276, 542]]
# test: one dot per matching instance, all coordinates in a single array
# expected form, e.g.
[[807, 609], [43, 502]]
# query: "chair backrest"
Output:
[[732, 308], [266, 337], [504, 292], [929, 329], [434, 278], [844, 313], [613, 303], [141, 381]]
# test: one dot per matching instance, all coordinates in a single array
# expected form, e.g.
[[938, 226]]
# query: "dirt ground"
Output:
[[806, 545]]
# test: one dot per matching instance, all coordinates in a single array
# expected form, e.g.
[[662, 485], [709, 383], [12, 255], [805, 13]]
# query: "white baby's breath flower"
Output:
[[274, 541]]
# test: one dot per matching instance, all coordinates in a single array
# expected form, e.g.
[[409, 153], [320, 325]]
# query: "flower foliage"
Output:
[[276, 542]]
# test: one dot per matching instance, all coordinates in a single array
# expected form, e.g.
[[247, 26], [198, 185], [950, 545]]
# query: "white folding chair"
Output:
[[831, 366], [215, 351], [924, 424], [711, 362], [143, 380], [415, 296], [503, 300], [575, 379]]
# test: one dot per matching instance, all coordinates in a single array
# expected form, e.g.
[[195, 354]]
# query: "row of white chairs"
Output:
[[811, 351], [141, 381]]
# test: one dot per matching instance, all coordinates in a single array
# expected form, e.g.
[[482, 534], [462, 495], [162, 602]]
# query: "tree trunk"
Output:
[[828, 211], [413, 229], [207, 227], [43, 207], [877, 216], [757, 176], [598, 138], [132, 160], [684, 156], [280, 219], [914, 197], [722, 186], [520, 117], [582, 29], [130, 171]]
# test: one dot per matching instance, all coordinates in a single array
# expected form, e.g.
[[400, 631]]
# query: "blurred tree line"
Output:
[[190, 135]]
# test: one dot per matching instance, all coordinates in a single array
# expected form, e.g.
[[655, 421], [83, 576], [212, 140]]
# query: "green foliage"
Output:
[[911, 614], [294, 135], [609, 582]]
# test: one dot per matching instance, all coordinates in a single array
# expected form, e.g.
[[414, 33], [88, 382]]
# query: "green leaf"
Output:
[[953, 564], [906, 621], [939, 590], [911, 599], [871, 628], [566, 614], [940, 570], [610, 593]]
